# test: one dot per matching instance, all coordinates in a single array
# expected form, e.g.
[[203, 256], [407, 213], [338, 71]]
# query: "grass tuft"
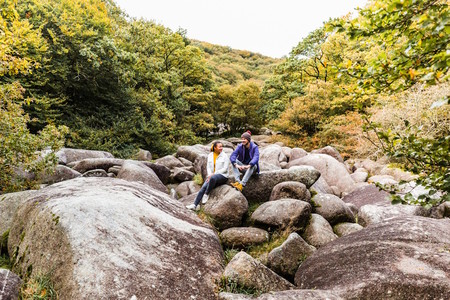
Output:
[[39, 287]]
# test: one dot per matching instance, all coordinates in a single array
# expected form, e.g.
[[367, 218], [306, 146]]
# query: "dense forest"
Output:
[[81, 73]]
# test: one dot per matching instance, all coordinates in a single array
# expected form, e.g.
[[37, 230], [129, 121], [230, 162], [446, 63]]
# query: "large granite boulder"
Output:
[[68, 155], [321, 186], [144, 155], [331, 152], [186, 188], [241, 237], [368, 194], [334, 172], [332, 208], [343, 229], [292, 190], [399, 258], [182, 174], [106, 238], [297, 153], [191, 153], [272, 154], [136, 171], [60, 173], [226, 206], [10, 285], [250, 273], [285, 259], [283, 213], [9, 204], [161, 171], [169, 161], [318, 232], [87, 164], [259, 187], [369, 214]]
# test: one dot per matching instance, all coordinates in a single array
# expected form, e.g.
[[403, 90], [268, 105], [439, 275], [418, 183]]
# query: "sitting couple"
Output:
[[243, 160]]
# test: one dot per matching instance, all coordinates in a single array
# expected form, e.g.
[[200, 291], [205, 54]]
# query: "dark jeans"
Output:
[[215, 181]]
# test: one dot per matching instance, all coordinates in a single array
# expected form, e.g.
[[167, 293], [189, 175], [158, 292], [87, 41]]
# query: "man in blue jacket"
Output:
[[244, 160]]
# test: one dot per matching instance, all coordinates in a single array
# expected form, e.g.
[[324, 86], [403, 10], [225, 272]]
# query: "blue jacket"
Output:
[[239, 154]]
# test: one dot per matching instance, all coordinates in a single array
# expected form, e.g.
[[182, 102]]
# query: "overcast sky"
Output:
[[271, 28]]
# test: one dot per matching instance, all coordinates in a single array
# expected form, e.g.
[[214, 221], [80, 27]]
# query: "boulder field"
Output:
[[309, 226]]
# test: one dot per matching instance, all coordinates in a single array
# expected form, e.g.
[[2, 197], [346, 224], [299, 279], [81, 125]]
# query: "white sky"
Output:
[[271, 28]]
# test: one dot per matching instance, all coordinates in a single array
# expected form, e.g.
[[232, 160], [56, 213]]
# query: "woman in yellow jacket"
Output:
[[217, 174]]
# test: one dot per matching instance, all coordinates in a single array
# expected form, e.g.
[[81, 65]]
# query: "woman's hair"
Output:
[[214, 145]]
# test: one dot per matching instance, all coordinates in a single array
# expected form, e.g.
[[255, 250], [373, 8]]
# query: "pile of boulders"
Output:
[[115, 228]]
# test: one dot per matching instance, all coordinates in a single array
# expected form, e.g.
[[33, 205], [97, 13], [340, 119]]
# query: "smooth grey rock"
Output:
[[272, 154], [68, 155], [250, 273], [105, 238], [368, 194], [284, 165], [169, 161], [359, 176], [292, 190], [297, 153], [332, 208], [10, 284], [87, 164], [331, 152], [60, 173], [268, 167], [374, 213], [343, 229], [226, 206], [136, 171], [287, 152], [95, 173], [143, 155], [382, 179], [191, 153], [200, 165], [321, 186], [161, 171], [318, 232], [114, 169], [399, 258], [187, 188], [241, 237], [285, 259], [9, 204], [182, 174], [259, 188], [334, 172], [185, 162], [397, 174], [283, 213]]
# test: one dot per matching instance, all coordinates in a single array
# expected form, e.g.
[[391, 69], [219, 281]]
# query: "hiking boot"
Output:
[[193, 207], [234, 184], [239, 187], [205, 198]]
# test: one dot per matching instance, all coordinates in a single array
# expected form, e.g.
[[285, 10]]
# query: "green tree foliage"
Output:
[[118, 83], [19, 153], [238, 107], [412, 38]]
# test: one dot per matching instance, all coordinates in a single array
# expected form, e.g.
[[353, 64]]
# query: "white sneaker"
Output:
[[205, 198], [192, 206]]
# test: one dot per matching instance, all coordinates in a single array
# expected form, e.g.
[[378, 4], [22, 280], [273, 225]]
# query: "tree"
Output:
[[414, 43], [413, 37]]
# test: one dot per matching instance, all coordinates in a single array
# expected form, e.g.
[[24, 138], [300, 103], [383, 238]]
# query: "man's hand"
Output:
[[207, 178], [244, 167]]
